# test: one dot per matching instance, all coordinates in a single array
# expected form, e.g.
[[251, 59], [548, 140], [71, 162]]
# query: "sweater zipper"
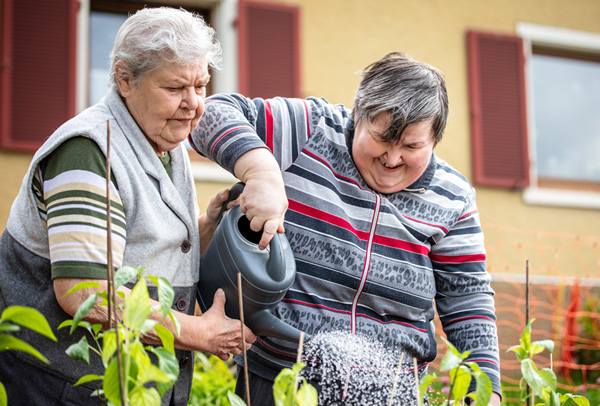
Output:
[[367, 263]]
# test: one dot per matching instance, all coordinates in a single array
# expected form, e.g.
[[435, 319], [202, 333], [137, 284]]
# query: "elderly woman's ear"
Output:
[[123, 78]]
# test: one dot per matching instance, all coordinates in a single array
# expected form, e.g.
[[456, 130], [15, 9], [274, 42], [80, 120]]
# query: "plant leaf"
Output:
[[83, 285], [526, 336], [29, 318], [307, 395], [3, 398], [83, 310], [235, 400], [88, 378], [549, 378], [80, 350], [109, 346], [124, 275], [483, 390], [462, 381], [167, 362], [142, 396], [166, 295], [578, 400], [8, 327], [137, 306], [166, 337], [13, 343], [532, 376], [175, 321], [110, 385], [547, 344], [425, 382]]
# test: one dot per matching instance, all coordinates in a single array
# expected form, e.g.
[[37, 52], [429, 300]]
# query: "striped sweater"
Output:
[[372, 264]]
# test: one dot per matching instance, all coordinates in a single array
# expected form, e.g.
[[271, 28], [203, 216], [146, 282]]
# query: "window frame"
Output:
[[541, 191]]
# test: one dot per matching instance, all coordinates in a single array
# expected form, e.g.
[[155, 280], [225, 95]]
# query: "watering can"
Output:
[[266, 274]]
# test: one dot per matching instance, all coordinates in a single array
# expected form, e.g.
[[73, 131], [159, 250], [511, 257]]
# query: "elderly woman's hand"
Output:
[[221, 335], [263, 200]]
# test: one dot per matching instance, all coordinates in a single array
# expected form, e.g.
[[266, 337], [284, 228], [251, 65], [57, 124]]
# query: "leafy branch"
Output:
[[136, 364], [12, 319]]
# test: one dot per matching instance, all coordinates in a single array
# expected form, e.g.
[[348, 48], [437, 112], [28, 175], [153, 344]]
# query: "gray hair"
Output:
[[411, 91], [154, 36]]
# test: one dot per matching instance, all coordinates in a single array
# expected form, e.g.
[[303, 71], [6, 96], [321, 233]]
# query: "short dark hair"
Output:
[[411, 91]]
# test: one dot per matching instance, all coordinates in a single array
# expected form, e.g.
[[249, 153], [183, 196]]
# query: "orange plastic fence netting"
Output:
[[562, 294]]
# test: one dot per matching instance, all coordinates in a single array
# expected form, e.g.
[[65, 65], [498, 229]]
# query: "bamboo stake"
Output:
[[532, 399], [241, 305], [111, 294], [298, 360], [396, 380], [419, 400]]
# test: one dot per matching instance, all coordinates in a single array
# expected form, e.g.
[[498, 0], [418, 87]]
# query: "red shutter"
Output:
[[37, 83], [269, 50], [498, 110]]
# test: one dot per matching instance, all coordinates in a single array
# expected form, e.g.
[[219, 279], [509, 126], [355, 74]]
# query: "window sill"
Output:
[[562, 198]]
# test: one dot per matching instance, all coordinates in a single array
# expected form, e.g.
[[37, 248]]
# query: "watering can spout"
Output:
[[264, 323]]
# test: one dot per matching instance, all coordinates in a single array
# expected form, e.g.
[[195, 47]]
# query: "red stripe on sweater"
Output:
[[269, 125], [457, 259], [212, 150], [363, 235]]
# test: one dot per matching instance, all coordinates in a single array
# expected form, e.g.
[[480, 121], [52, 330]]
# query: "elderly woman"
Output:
[[56, 232], [384, 232]]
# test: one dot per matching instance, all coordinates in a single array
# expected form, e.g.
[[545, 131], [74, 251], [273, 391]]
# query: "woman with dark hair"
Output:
[[384, 232]]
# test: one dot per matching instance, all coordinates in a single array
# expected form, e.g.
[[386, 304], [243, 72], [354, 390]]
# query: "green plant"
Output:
[[13, 317], [461, 373], [286, 391], [212, 381], [136, 370], [542, 382]]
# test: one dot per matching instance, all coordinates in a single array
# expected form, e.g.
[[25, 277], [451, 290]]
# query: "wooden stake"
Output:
[[419, 400], [396, 380], [241, 306], [111, 294], [298, 360]]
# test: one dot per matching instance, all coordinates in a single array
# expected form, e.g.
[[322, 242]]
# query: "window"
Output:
[[103, 30], [105, 19], [566, 102], [534, 99]]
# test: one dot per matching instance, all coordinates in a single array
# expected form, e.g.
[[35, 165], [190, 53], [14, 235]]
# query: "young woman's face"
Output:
[[391, 167], [167, 103]]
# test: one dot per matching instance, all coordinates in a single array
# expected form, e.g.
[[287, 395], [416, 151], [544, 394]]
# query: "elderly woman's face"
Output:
[[390, 167], [167, 103]]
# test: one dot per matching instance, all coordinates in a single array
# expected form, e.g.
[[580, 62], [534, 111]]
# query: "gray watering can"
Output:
[[266, 274]]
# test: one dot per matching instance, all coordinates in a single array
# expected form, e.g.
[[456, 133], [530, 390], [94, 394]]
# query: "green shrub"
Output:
[[213, 378]]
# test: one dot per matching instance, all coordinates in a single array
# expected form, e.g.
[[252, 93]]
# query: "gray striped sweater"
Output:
[[371, 264]]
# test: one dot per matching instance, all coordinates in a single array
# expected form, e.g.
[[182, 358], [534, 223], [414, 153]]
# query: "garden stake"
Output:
[[298, 360], [111, 295], [241, 304], [532, 402], [419, 400], [396, 381]]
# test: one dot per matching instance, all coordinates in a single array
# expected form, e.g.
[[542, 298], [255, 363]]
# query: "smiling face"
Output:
[[391, 167], [167, 103]]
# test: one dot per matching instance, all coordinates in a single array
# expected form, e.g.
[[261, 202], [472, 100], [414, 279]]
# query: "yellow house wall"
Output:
[[340, 37]]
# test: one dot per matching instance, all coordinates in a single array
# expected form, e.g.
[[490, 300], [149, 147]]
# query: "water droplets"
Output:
[[352, 369]]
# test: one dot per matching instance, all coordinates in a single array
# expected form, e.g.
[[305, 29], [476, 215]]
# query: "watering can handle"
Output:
[[234, 192]]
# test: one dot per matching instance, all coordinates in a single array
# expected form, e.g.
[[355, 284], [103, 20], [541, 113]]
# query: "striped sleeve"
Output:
[[232, 125], [73, 183], [464, 299]]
